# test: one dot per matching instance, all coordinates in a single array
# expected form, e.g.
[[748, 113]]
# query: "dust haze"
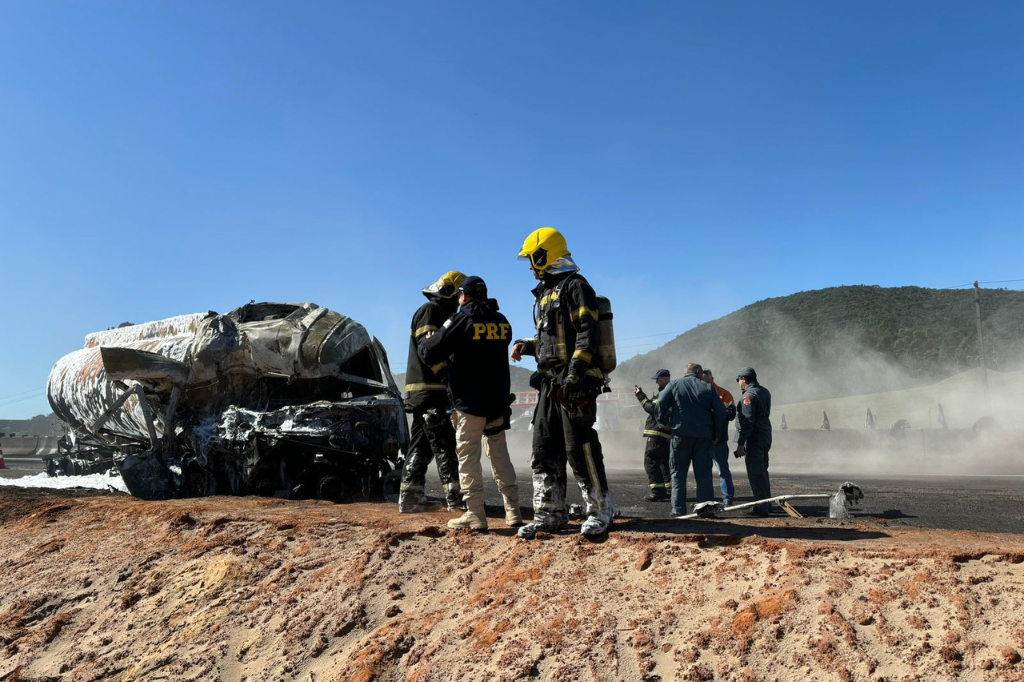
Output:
[[954, 426]]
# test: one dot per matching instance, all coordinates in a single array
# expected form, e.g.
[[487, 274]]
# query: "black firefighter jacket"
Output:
[[567, 328], [475, 342], [652, 429], [423, 381]]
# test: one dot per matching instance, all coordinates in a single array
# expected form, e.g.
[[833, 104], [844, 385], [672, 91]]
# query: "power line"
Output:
[[21, 400], [15, 395]]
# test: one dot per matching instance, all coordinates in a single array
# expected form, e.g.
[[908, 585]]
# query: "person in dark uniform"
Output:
[[565, 312], [476, 340], [658, 435], [754, 436], [432, 435]]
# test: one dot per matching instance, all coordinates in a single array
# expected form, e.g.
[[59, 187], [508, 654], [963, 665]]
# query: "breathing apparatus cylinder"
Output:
[[605, 359]]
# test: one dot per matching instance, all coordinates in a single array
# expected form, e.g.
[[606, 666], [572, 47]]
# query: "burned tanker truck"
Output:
[[290, 400]]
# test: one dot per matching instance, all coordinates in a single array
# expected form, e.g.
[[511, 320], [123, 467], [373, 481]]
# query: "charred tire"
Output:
[[330, 488]]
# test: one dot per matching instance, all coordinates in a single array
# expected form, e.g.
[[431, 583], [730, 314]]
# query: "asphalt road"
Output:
[[21, 466], [980, 503]]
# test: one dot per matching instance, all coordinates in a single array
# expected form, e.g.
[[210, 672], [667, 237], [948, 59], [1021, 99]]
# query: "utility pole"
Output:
[[981, 341]]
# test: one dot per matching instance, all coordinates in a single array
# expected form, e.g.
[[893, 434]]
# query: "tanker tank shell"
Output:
[[271, 398]]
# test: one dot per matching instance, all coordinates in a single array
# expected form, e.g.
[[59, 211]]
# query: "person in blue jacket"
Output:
[[694, 411]]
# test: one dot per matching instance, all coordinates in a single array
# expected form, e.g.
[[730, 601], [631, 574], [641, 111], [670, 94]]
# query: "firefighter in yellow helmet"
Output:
[[565, 313], [432, 435]]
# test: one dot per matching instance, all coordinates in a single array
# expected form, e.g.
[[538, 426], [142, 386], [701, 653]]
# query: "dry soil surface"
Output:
[[111, 588]]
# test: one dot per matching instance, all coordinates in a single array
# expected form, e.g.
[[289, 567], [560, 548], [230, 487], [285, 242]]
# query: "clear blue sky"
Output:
[[159, 158]]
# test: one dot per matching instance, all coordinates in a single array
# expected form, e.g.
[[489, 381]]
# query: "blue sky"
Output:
[[161, 158]]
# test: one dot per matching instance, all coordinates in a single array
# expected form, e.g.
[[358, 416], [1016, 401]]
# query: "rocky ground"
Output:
[[105, 587]]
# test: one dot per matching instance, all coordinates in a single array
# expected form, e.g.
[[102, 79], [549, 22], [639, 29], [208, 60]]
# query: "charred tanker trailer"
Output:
[[270, 399]]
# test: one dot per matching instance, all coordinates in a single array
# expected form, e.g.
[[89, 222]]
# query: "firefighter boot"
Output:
[[599, 515], [453, 497], [551, 522], [475, 517], [414, 502]]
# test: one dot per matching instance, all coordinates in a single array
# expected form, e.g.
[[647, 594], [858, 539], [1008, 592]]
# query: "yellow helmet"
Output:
[[543, 247], [446, 287]]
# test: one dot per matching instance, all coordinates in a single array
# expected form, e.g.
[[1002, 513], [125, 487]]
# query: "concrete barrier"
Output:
[[29, 446]]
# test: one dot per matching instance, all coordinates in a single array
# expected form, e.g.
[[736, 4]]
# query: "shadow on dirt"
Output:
[[736, 529]]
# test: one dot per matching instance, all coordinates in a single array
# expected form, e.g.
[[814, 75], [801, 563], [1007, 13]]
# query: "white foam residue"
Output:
[[41, 480]]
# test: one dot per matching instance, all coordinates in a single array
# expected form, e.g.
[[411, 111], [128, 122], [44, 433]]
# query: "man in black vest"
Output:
[[475, 342]]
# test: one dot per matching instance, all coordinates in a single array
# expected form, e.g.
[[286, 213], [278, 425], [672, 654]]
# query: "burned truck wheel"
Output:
[[330, 489], [146, 476]]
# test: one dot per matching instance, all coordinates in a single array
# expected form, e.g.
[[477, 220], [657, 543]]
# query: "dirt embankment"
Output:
[[110, 588]]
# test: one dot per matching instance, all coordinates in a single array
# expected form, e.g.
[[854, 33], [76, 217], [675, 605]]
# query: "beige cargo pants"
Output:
[[469, 432]]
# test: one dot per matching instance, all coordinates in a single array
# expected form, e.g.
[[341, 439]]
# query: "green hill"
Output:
[[848, 340]]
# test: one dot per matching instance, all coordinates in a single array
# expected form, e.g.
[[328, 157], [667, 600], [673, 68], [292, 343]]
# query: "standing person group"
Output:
[[456, 374], [475, 341], [696, 412]]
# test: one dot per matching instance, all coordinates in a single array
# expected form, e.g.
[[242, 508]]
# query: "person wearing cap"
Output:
[[658, 435], [754, 436], [431, 435], [693, 409], [720, 448], [475, 342]]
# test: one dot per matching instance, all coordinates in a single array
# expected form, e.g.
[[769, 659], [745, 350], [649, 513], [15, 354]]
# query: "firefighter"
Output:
[[754, 436], [476, 340], [720, 449], [432, 435], [567, 340], [658, 436]]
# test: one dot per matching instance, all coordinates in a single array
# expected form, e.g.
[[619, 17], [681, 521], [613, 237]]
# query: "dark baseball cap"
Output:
[[661, 373], [746, 373], [474, 287]]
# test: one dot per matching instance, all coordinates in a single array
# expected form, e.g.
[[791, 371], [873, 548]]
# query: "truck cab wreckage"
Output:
[[292, 400]]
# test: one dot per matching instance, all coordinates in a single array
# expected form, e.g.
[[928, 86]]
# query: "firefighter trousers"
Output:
[[557, 439], [431, 436], [656, 464]]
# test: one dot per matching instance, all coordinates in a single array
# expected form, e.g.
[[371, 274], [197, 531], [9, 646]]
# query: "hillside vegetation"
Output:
[[848, 341]]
